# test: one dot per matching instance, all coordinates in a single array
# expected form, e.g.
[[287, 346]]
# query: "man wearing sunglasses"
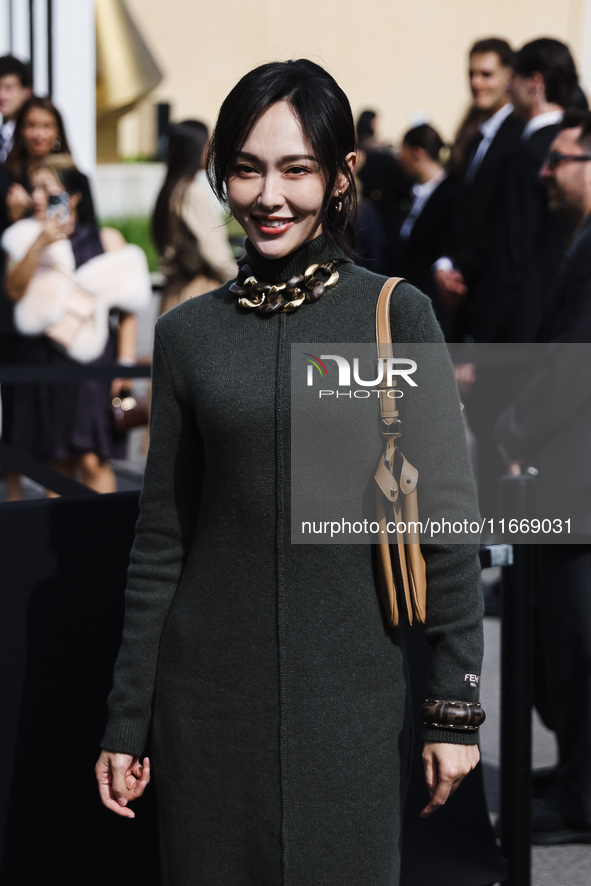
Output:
[[550, 424], [566, 174], [566, 187]]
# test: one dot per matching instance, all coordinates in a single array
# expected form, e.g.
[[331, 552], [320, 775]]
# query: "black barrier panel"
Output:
[[63, 566]]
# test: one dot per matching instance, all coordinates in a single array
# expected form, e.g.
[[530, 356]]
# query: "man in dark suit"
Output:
[[460, 274], [531, 239], [550, 423], [16, 86], [425, 229]]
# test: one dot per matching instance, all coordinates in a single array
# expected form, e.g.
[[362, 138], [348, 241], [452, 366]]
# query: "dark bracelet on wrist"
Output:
[[461, 716]]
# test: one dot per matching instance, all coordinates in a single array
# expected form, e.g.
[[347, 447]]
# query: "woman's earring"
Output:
[[56, 145], [339, 202]]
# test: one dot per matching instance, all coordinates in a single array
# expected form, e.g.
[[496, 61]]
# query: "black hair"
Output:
[[552, 59], [10, 65], [578, 99], [366, 125], [425, 137], [324, 113], [17, 162], [186, 146], [497, 45], [573, 119]]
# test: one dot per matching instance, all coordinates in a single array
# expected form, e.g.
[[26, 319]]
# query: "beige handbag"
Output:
[[401, 567]]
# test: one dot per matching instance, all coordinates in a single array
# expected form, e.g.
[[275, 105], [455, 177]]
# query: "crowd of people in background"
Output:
[[462, 220], [497, 232], [481, 226], [64, 425]]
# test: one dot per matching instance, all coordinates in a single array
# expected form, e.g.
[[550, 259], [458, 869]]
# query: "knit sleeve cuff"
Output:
[[125, 736], [450, 736]]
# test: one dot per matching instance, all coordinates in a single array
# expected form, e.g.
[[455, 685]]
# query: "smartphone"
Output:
[[58, 206]]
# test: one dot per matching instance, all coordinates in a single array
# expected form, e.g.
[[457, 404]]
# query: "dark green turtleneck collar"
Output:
[[317, 251]]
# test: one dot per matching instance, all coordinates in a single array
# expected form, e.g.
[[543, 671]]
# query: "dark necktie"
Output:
[[470, 168]]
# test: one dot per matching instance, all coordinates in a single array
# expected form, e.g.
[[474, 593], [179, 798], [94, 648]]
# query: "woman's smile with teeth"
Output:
[[276, 188], [272, 227]]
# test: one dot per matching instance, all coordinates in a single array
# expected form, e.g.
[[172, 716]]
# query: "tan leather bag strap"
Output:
[[391, 429], [383, 329], [389, 419]]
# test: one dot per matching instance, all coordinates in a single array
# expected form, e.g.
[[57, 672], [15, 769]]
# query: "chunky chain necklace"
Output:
[[270, 297]]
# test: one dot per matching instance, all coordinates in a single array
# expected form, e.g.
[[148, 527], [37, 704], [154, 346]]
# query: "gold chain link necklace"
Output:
[[298, 290]]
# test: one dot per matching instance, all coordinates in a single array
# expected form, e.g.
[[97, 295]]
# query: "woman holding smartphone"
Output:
[[272, 688], [65, 425]]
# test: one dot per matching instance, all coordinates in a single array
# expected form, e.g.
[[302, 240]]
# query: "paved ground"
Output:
[[551, 866]]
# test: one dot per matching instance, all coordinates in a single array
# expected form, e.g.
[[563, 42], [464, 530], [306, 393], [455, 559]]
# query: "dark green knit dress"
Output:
[[275, 693]]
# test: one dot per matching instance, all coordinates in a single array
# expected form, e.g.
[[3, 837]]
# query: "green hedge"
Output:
[[136, 229]]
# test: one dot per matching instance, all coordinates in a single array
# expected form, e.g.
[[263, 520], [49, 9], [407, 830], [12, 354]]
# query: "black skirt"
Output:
[[60, 420]]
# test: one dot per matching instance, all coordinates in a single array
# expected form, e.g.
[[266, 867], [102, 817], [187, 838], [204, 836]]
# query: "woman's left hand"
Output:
[[446, 765]]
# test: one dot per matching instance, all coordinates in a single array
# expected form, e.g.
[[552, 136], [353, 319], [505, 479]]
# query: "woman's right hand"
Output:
[[56, 229], [121, 778]]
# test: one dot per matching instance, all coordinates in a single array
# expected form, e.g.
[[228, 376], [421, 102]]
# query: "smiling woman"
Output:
[[272, 687], [39, 132], [294, 138], [277, 197]]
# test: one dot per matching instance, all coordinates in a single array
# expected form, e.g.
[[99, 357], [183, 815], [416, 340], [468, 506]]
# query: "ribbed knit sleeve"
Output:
[[168, 507], [445, 490]]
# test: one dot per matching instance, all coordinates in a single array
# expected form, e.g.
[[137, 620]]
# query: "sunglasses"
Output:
[[553, 159]]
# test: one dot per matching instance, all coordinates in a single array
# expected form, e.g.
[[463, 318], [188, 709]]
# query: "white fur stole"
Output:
[[118, 279]]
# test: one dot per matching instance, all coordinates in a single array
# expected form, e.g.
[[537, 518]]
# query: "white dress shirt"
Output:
[[6, 137], [549, 118]]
